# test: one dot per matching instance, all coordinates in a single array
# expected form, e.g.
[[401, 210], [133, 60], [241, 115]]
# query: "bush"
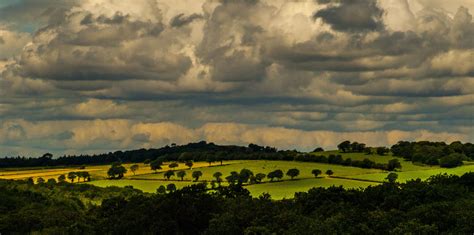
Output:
[[452, 160]]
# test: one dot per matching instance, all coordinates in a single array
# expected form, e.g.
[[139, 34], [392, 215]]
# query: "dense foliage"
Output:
[[443, 204], [434, 153]]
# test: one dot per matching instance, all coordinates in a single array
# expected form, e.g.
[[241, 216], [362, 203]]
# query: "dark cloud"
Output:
[[66, 135], [352, 15], [181, 20], [256, 63]]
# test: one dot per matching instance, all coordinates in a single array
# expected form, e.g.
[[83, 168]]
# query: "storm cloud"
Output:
[[102, 75]]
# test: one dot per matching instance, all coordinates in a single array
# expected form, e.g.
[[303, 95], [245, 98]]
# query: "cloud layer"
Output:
[[289, 74]]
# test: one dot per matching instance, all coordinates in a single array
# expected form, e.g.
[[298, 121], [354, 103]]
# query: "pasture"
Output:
[[148, 180]]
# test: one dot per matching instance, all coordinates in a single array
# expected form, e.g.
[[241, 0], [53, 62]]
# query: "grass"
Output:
[[406, 165], [350, 177], [260, 166]]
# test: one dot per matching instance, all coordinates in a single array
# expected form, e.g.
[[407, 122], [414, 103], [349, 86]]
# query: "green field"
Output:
[[349, 177]]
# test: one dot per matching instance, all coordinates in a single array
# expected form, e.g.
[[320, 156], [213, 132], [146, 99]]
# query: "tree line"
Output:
[[443, 204], [434, 153]]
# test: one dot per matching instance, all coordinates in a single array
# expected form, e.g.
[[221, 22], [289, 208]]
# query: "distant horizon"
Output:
[[59, 154], [95, 75]]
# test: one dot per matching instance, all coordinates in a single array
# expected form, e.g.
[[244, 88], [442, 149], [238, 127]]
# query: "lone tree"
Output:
[[189, 164], [259, 177], [168, 174], [329, 172], [218, 176], [344, 146], [61, 178], [171, 188], [392, 177], [173, 165], [71, 176], [116, 171], [316, 172], [181, 174], [134, 168], [196, 175], [161, 189], [155, 165], [393, 164], [293, 173]]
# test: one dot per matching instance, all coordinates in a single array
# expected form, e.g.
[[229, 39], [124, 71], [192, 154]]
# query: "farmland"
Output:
[[349, 177]]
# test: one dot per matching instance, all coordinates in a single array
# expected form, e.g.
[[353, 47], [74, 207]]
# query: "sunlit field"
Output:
[[148, 180]]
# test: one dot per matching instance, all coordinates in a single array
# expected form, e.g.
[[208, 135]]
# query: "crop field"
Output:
[[349, 177]]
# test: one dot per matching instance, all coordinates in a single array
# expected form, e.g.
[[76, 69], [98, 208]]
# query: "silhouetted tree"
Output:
[[173, 165], [134, 168], [392, 177], [116, 171], [181, 174], [196, 175], [71, 176], [292, 173], [155, 165], [168, 174], [161, 189], [393, 164], [171, 188], [329, 172], [40, 180], [259, 177], [218, 176], [61, 178], [189, 164], [344, 146], [316, 172]]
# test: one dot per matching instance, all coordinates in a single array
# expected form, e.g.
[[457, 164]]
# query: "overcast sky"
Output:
[[102, 75]]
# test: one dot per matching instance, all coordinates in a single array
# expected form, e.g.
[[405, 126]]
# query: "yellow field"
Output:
[[97, 172]]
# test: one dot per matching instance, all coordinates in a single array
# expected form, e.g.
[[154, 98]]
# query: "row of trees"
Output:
[[244, 176], [391, 165], [355, 147]]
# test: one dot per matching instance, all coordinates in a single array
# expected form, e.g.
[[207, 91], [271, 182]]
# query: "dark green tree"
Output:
[[189, 164], [116, 171], [61, 178], [134, 168], [168, 174], [181, 174], [71, 176], [259, 177], [316, 172], [171, 188], [155, 165], [394, 164], [292, 173], [344, 146], [196, 175], [217, 175], [329, 172], [392, 177]]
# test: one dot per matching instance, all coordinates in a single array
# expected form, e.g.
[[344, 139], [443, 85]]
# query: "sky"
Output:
[[95, 76]]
